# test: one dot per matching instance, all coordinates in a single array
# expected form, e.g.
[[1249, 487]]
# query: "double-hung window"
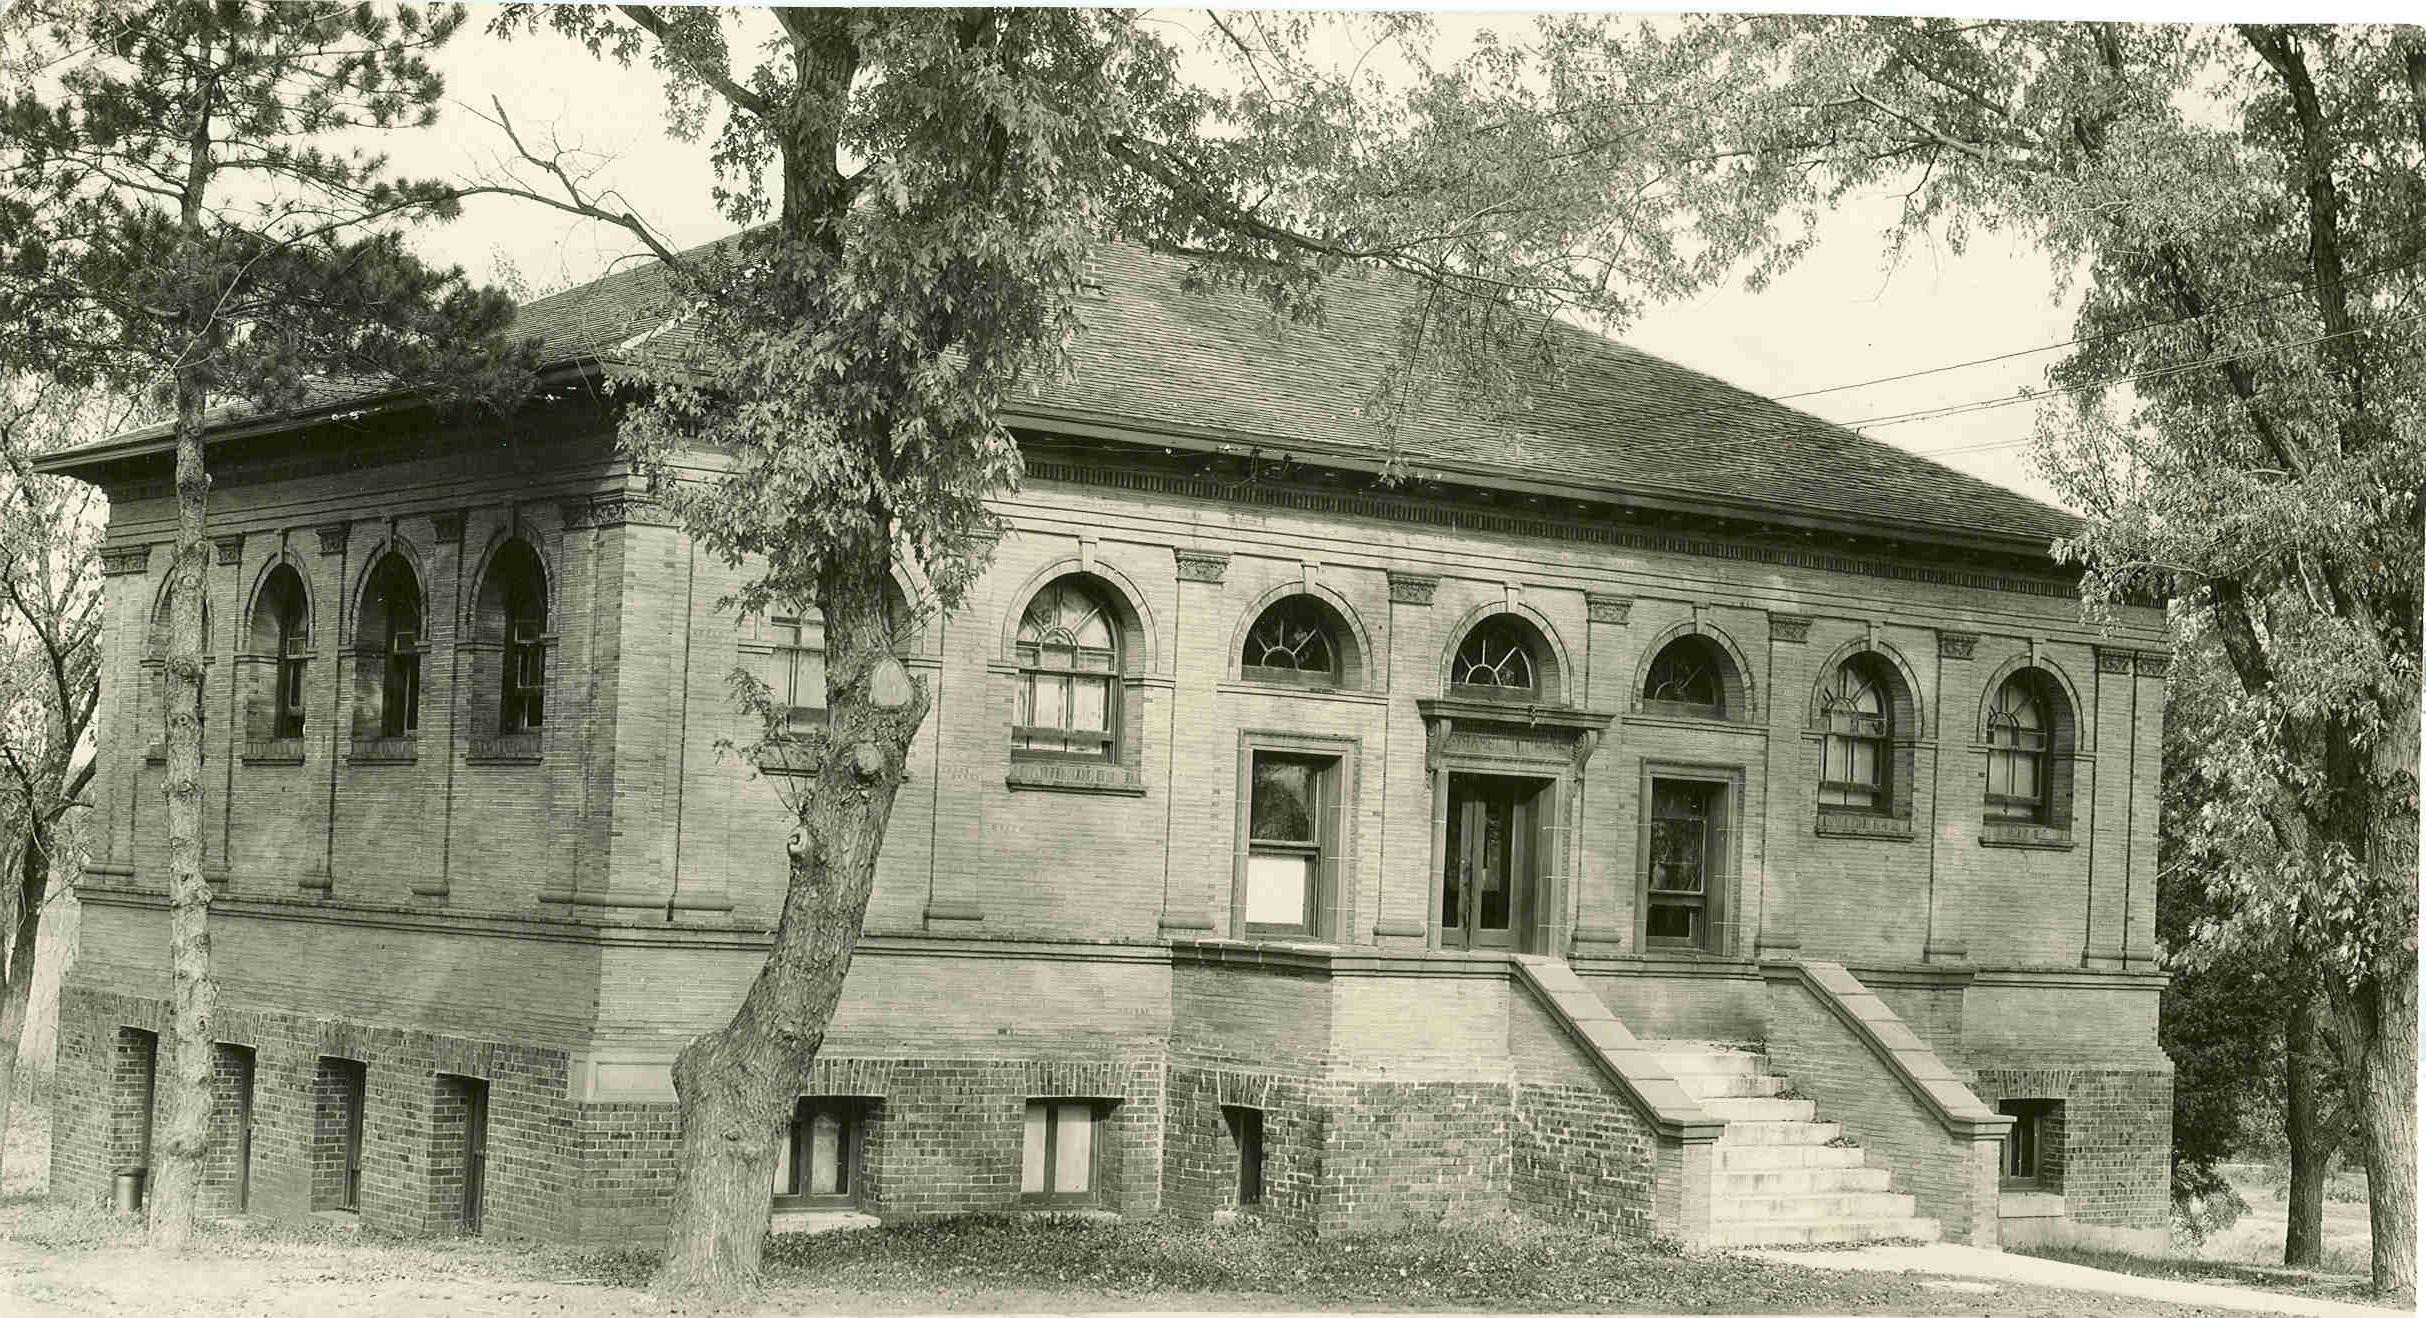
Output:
[[1291, 841], [817, 1163], [2017, 754], [1855, 737], [1068, 652]]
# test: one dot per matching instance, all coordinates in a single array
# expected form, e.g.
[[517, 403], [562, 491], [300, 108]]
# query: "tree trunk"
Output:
[[2381, 1027], [17, 992], [738, 1084], [2304, 1060], [174, 1191]]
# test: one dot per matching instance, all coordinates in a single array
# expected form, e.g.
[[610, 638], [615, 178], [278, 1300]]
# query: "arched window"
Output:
[[388, 646], [1857, 727], [2022, 735], [1068, 652], [1688, 676], [1295, 640], [513, 613], [1496, 659], [279, 632]]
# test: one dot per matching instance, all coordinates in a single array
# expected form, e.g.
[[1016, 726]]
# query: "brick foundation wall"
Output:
[[1578, 1155], [2110, 1144], [227, 1167], [336, 1087]]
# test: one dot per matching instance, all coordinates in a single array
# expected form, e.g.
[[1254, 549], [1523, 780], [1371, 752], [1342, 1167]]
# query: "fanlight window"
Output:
[[1497, 657], [1068, 650], [1684, 678], [2017, 753], [1292, 641], [1856, 727]]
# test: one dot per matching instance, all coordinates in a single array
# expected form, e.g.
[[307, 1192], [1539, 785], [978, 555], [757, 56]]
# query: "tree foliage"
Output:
[[2246, 209]]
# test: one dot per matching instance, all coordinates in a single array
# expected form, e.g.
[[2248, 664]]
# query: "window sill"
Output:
[[274, 750], [382, 750], [786, 1221], [1848, 824], [504, 748], [2029, 837], [156, 753], [1075, 776]]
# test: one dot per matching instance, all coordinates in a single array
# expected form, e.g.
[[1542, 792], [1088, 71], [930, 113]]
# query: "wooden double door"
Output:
[[1493, 861]]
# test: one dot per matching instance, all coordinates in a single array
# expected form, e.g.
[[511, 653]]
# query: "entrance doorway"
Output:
[[1492, 861]]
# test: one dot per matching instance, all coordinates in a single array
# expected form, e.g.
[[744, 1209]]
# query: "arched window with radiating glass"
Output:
[[1295, 640], [2018, 729], [1856, 730], [1496, 659], [1688, 676], [1068, 652]]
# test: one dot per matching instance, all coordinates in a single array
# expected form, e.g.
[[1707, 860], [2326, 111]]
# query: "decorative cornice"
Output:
[[2152, 663], [1608, 608], [332, 536], [2111, 660], [1401, 508], [1789, 628], [447, 528], [617, 509], [231, 549], [1205, 565], [125, 559], [1956, 645], [1412, 588]]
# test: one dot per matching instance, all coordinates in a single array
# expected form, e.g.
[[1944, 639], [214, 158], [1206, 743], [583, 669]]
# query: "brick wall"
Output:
[[337, 1088], [226, 1168], [2110, 1144]]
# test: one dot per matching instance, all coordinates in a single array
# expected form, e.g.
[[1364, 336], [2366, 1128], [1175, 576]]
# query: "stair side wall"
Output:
[[1950, 1177]]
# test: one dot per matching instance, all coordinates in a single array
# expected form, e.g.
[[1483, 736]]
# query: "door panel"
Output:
[[1489, 862]]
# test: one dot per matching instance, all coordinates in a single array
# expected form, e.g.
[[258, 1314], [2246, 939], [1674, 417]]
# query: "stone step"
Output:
[[1731, 1085], [1765, 1181], [1762, 1109], [1780, 1132], [1683, 1059], [1832, 1206], [1841, 1231], [1779, 1157]]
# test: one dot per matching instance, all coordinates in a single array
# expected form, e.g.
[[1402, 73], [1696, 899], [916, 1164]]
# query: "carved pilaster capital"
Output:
[[1789, 628], [1956, 645], [123, 560], [1412, 588], [332, 536], [447, 528], [2152, 663], [1206, 565], [231, 549], [2111, 660], [1608, 608]]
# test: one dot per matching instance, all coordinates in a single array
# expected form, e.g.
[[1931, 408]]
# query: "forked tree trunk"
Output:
[[737, 1084], [2313, 1139], [32, 883], [174, 1192]]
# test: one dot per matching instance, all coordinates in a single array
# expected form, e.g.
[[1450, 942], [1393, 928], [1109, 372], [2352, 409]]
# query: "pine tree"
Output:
[[177, 220]]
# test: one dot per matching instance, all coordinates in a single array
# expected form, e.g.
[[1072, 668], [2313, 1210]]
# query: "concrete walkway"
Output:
[[1992, 1265]]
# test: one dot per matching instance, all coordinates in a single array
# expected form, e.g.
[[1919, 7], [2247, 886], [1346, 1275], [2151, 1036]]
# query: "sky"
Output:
[[1839, 318]]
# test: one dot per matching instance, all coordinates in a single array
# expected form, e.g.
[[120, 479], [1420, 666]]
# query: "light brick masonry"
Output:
[[551, 915]]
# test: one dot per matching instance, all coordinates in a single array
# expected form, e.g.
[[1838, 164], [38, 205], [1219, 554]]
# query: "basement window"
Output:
[[1057, 1156], [818, 1162], [1246, 1126], [2034, 1148]]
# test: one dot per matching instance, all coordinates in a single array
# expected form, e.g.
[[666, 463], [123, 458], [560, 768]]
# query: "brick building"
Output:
[[1662, 810]]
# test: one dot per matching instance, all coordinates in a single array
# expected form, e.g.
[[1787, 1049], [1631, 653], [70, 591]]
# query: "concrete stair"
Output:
[[1781, 1175]]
